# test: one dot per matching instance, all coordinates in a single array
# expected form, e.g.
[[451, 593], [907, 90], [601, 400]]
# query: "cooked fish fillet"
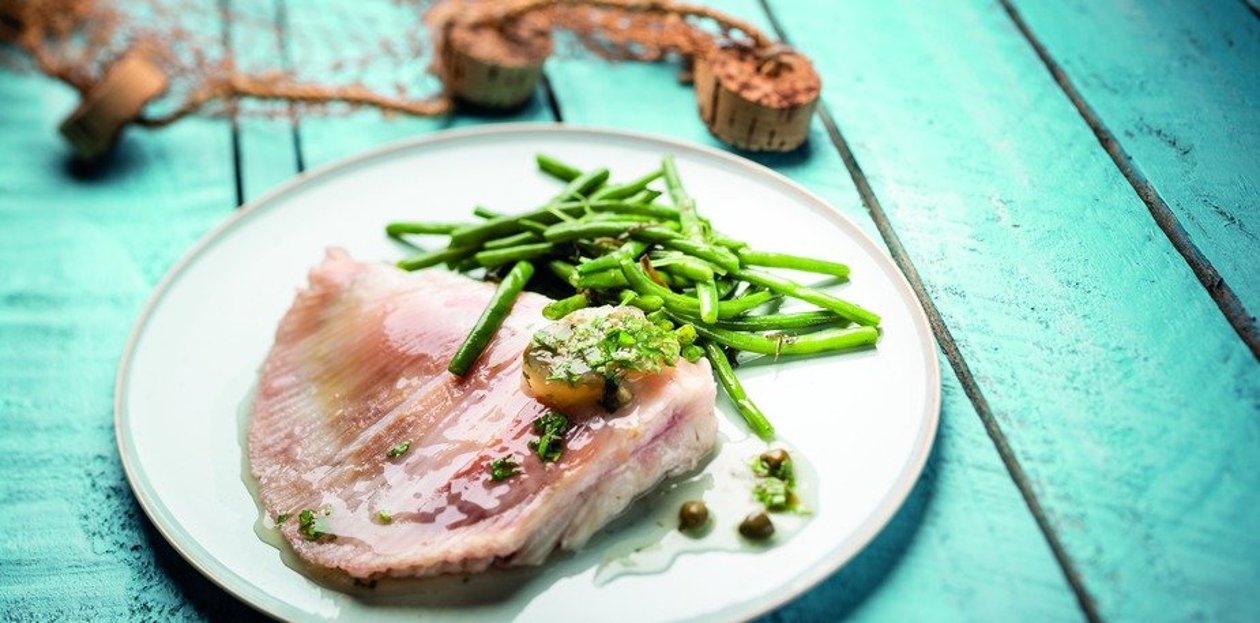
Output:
[[359, 365]]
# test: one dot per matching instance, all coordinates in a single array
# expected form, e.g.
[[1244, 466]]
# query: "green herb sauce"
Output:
[[606, 343]]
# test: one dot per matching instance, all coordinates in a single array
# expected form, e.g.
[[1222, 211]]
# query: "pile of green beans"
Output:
[[613, 244]]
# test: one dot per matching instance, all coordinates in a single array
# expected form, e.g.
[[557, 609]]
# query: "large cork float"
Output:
[[757, 100], [495, 65], [130, 83]]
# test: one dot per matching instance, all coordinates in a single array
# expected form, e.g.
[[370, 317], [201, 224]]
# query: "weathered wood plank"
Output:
[[1125, 395], [81, 249], [327, 137], [941, 557], [1178, 85]]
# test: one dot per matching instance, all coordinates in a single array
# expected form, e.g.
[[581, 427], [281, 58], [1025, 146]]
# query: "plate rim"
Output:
[[253, 596]]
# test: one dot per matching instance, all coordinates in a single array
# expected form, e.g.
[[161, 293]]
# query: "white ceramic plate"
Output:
[[869, 418]]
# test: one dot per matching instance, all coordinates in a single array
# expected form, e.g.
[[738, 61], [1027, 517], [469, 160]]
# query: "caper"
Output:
[[774, 460], [616, 395], [692, 515], [757, 526]]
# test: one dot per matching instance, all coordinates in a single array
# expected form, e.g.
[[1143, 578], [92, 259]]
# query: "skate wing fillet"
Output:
[[359, 369]]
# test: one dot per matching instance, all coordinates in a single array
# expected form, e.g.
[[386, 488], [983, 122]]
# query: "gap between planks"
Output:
[[286, 60], [1231, 307], [225, 36], [280, 17], [950, 348], [553, 104]]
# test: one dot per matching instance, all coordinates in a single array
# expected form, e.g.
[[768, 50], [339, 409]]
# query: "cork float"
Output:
[[757, 99], [130, 83], [494, 64]]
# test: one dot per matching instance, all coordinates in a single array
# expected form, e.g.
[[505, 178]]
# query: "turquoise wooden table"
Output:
[[1072, 188]]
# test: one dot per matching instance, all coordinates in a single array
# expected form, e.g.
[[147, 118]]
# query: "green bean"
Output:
[[556, 169], [556, 310], [533, 227], [686, 334], [686, 266], [582, 185], [491, 318], [602, 280], [622, 206], [752, 415], [726, 241], [692, 352], [564, 270], [777, 322], [644, 197], [546, 215], [513, 240], [397, 229], [715, 255], [795, 290], [463, 265], [484, 212], [792, 262], [706, 292], [726, 309], [827, 340], [726, 287], [623, 217], [692, 227], [579, 230], [497, 227], [498, 257], [621, 191], [662, 235], [632, 249], [433, 258], [648, 303]]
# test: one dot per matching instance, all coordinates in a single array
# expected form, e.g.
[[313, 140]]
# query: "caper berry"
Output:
[[757, 526], [692, 515], [616, 395], [774, 460]]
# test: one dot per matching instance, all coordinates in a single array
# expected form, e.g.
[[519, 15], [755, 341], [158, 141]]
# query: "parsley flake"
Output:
[[313, 524], [400, 449], [550, 428], [503, 468]]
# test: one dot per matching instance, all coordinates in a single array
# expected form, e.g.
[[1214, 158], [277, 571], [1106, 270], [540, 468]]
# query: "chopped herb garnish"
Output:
[[400, 449], [772, 493], [550, 429], [608, 344], [313, 524], [503, 468], [281, 518], [384, 517], [776, 480]]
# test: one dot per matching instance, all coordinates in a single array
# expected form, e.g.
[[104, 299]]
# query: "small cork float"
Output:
[[130, 83], [757, 100], [494, 65], [11, 21]]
